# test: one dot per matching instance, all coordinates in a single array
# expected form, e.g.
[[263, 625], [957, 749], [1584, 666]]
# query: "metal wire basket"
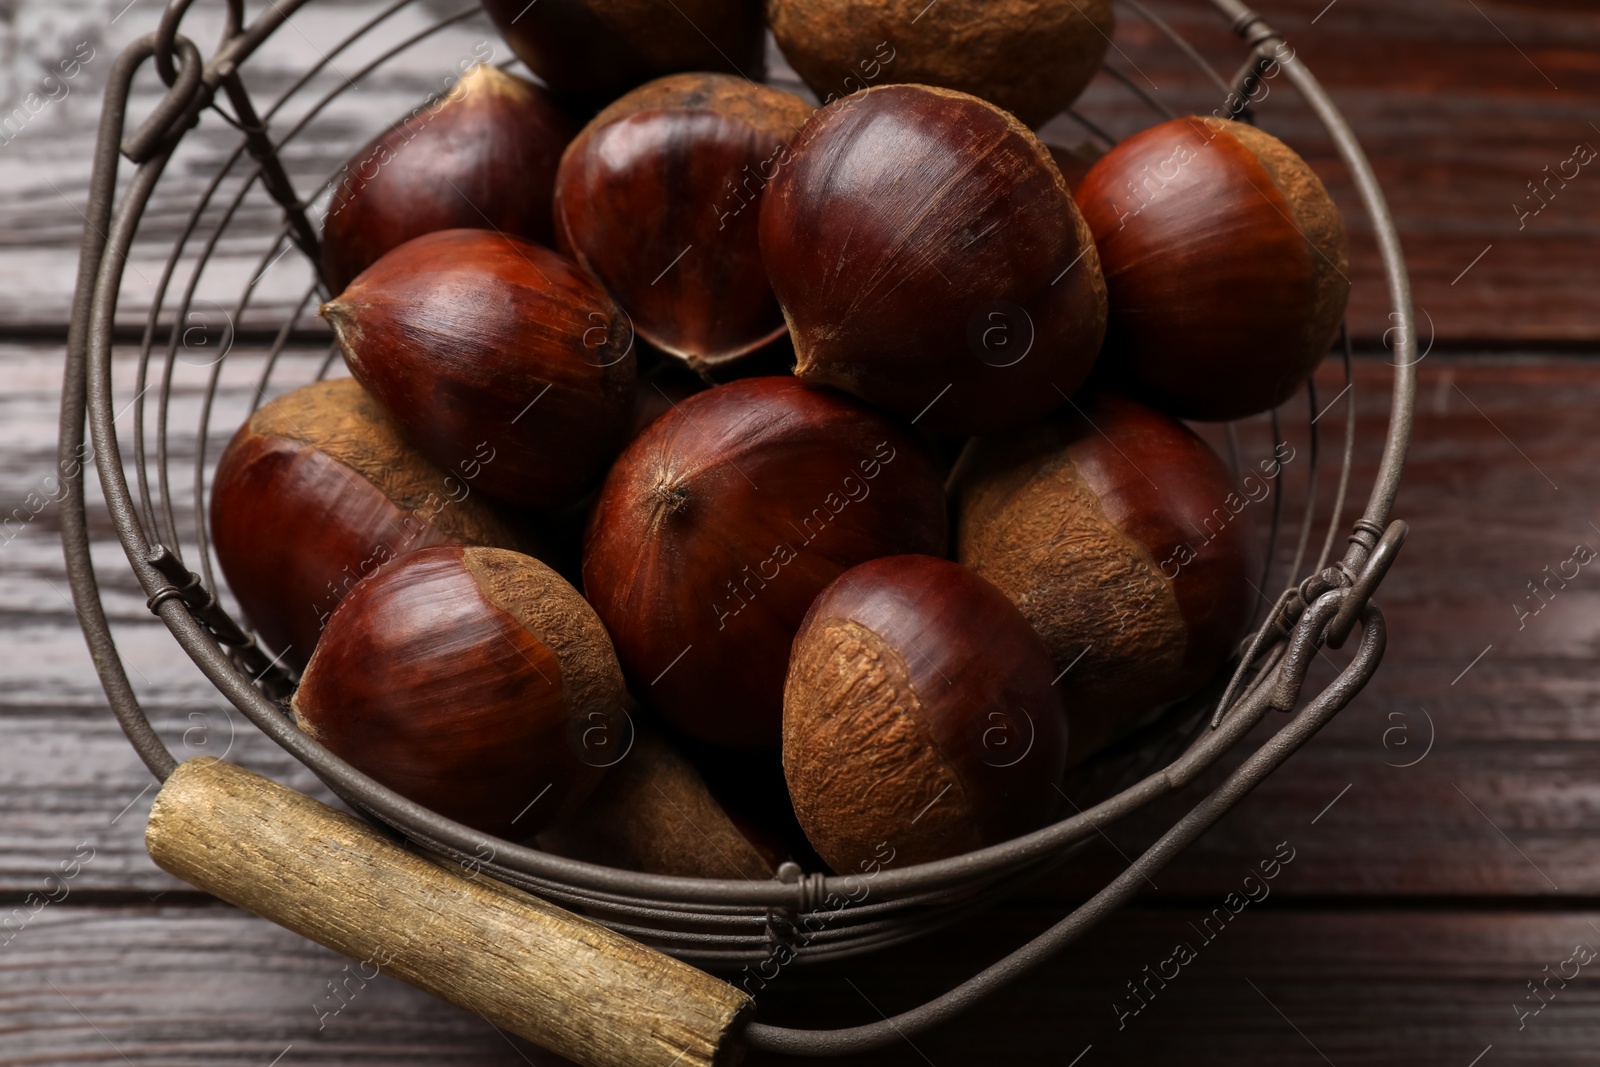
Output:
[[798, 915]]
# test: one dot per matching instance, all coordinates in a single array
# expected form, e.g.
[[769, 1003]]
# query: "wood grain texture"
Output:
[[1516, 734], [47, 149], [1459, 106], [158, 986], [521, 963], [1469, 758], [1455, 120]]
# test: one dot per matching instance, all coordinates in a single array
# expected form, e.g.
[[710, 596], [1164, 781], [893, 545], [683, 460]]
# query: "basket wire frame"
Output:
[[719, 923]]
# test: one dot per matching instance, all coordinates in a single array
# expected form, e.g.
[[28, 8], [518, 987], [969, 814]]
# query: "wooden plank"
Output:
[[69, 776], [1456, 121], [45, 164], [1498, 489], [1284, 988], [207, 985], [1458, 107]]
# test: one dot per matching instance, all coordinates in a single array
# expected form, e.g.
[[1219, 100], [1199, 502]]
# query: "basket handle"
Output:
[[526, 966]]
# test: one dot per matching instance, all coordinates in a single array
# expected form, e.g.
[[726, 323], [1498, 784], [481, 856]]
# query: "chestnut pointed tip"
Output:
[[342, 318], [706, 362], [824, 376], [672, 497], [303, 722], [805, 362], [305, 725], [484, 75], [487, 79], [703, 368]]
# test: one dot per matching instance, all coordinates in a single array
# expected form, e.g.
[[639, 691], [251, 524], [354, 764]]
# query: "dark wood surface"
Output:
[[1422, 898], [1458, 103], [152, 984]]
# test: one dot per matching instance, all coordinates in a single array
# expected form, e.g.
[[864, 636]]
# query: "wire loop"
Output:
[[177, 110]]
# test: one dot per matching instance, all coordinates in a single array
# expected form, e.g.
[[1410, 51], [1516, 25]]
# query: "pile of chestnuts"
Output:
[[723, 479]]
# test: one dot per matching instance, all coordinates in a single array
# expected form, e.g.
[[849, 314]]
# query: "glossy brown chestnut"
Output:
[[484, 155], [1031, 57], [658, 197], [593, 51], [316, 491], [463, 679], [719, 525], [1225, 262], [1124, 540], [481, 344], [919, 716], [655, 813], [930, 259]]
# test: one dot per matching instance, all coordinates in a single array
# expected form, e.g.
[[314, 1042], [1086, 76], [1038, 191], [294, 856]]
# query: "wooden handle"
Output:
[[529, 967]]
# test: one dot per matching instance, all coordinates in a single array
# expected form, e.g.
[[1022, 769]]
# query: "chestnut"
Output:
[[477, 342], [484, 155], [723, 520], [1031, 57], [657, 198], [930, 259], [1121, 537], [593, 51], [655, 813], [463, 678], [919, 716], [318, 490], [1225, 263]]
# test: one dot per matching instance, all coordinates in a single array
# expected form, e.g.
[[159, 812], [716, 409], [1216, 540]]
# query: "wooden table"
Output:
[[1439, 827]]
